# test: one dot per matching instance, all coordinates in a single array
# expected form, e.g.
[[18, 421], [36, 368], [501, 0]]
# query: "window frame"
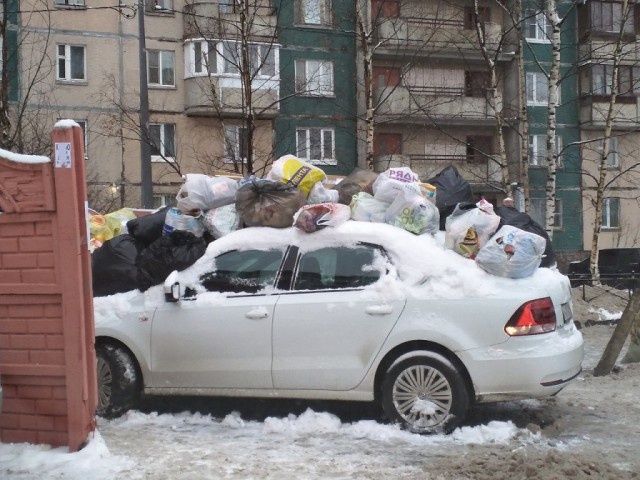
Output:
[[160, 62], [534, 146], [75, 4], [164, 155], [238, 142], [151, 7], [67, 58], [613, 158], [319, 88], [608, 214], [532, 90], [324, 13], [303, 153], [539, 212], [536, 22]]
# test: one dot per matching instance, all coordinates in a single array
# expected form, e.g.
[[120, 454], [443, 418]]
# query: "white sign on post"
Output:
[[63, 155]]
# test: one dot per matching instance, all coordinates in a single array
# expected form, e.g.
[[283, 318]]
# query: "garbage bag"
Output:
[[522, 220], [359, 180], [511, 252], [364, 207], [222, 220], [113, 265], [318, 216], [149, 227], [320, 194], [267, 203], [390, 182], [412, 211], [175, 251], [191, 221], [202, 192], [451, 189], [468, 228], [291, 170]]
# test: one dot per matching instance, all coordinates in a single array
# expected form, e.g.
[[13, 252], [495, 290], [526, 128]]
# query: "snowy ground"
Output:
[[589, 431]]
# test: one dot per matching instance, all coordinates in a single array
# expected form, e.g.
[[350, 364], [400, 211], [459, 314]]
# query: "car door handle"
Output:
[[257, 313], [379, 310]]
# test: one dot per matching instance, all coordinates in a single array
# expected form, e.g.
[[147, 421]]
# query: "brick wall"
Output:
[[47, 361]]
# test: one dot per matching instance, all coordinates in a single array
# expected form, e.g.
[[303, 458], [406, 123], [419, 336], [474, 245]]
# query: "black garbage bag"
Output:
[[175, 251], [522, 220], [113, 265], [148, 229], [266, 203], [451, 189]]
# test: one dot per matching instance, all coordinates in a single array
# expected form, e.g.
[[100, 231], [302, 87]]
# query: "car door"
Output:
[[220, 338], [327, 330]]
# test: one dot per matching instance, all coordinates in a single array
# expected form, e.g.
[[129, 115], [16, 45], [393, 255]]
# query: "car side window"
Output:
[[337, 267], [243, 271]]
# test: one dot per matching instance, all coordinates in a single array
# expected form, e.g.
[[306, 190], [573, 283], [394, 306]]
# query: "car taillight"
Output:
[[532, 318]]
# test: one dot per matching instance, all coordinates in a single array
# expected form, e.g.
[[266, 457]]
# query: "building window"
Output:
[[385, 9], [479, 148], [162, 139], [610, 212], [71, 62], [608, 17], [160, 6], [235, 144], [537, 89], [161, 67], [612, 158], [70, 3], [227, 6], [539, 212], [602, 80], [537, 26], [314, 77], [316, 145], [314, 12], [262, 58], [538, 151], [476, 83], [163, 199]]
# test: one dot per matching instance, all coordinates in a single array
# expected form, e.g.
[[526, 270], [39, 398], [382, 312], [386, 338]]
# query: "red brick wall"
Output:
[[47, 361]]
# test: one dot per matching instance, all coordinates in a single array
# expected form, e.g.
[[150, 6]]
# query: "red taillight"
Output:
[[532, 318]]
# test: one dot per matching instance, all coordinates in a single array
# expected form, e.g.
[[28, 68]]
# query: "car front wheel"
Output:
[[425, 393], [118, 384]]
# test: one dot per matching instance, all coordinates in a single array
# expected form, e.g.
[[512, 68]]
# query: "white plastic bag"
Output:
[[412, 211], [222, 220], [466, 231], [512, 253], [390, 182], [320, 194], [320, 215], [177, 220], [367, 209], [202, 192]]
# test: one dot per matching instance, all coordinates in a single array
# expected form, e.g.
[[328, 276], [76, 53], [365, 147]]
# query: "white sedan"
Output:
[[360, 312]]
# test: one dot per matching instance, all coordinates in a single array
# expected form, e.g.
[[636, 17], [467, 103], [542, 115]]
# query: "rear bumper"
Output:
[[526, 367]]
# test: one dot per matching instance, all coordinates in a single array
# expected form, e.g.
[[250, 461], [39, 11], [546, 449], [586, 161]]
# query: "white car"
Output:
[[360, 312]]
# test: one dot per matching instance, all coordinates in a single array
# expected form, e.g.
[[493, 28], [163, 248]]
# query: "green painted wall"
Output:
[[336, 44], [568, 180]]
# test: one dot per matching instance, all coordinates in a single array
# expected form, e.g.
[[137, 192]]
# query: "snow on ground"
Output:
[[588, 431]]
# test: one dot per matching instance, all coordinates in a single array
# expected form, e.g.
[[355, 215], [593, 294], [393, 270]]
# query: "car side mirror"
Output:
[[173, 295]]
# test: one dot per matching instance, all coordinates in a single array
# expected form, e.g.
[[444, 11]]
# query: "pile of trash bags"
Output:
[[132, 252]]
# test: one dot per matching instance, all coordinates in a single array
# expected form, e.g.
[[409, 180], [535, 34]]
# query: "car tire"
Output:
[[118, 381], [425, 393]]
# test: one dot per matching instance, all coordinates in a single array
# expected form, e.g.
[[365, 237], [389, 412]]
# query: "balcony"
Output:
[[477, 172], [437, 38], [445, 105], [211, 18], [596, 51], [201, 93], [594, 110]]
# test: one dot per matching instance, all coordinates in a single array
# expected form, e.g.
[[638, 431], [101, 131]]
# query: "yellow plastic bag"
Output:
[[292, 170]]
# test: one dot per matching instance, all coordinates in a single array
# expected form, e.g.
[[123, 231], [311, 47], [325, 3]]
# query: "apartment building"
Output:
[[439, 100], [603, 28]]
